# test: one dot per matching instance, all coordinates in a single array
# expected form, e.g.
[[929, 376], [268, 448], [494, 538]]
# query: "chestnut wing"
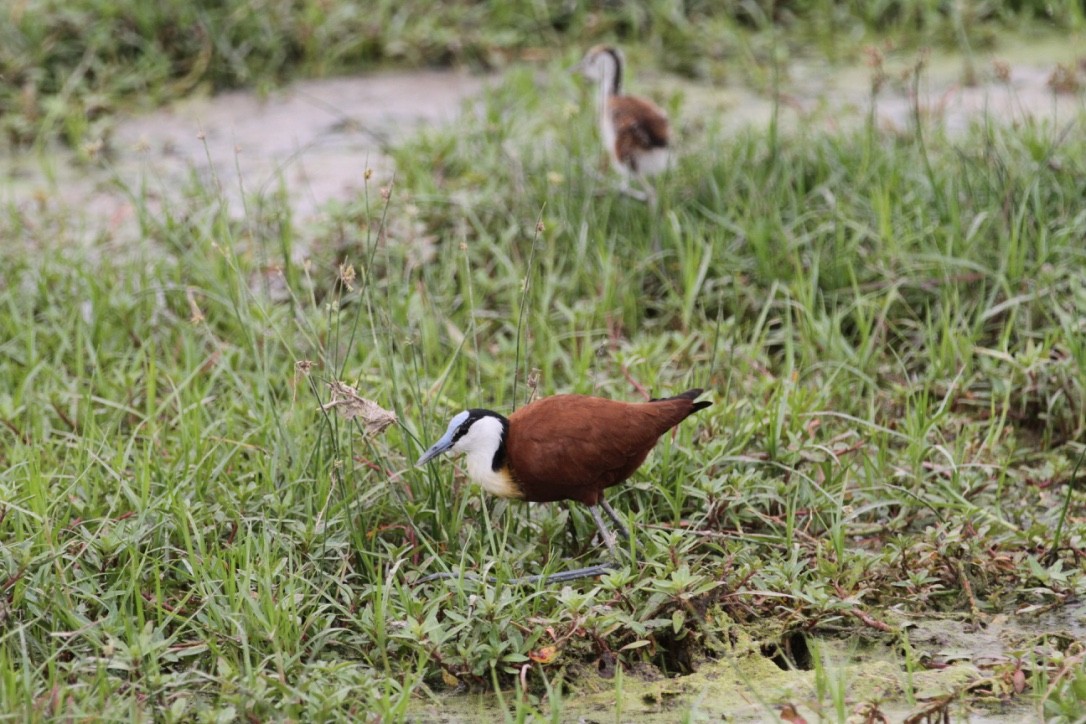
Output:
[[640, 126], [573, 449]]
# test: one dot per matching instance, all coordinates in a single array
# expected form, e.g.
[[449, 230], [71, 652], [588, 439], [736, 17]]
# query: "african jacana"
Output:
[[566, 447], [634, 130]]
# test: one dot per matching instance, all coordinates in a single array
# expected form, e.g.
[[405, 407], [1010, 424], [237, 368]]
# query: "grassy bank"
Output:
[[890, 327], [67, 66]]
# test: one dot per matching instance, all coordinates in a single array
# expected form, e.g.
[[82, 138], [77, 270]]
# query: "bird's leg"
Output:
[[649, 191], [608, 536], [618, 521]]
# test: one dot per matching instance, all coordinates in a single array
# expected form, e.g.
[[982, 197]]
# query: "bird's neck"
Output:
[[610, 80], [603, 95], [488, 465], [613, 75], [610, 85]]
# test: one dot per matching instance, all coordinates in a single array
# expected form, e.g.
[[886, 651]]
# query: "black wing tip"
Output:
[[691, 395]]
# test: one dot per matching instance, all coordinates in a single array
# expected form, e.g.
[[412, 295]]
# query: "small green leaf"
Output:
[[640, 643]]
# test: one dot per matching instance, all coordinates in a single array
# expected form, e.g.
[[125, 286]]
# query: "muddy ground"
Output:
[[315, 139], [965, 670]]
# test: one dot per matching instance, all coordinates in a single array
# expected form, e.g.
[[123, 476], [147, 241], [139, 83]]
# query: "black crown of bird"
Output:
[[566, 447]]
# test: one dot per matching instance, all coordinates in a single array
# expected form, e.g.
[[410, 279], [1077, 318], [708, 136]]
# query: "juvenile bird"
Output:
[[635, 130], [566, 447]]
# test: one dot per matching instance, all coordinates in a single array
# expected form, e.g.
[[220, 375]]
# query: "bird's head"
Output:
[[475, 432], [602, 63]]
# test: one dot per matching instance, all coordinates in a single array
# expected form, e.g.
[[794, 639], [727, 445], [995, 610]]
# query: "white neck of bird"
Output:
[[605, 91], [480, 445], [486, 437], [610, 77]]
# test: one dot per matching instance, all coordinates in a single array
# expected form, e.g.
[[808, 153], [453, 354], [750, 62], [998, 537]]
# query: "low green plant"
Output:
[[68, 66], [889, 332]]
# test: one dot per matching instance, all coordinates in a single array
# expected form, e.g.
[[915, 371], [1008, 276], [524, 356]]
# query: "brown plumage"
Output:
[[571, 447], [640, 127], [567, 447]]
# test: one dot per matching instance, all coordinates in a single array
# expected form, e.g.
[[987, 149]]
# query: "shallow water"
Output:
[[318, 137], [315, 139], [955, 90]]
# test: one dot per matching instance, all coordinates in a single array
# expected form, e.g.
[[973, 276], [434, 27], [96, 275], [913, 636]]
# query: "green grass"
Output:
[[891, 332], [67, 66]]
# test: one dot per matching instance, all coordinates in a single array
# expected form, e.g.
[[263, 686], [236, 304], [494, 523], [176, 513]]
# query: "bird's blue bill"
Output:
[[438, 447], [445, 442]]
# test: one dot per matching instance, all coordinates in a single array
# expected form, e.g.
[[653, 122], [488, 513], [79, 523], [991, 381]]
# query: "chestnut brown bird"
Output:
[[635, 130], [566, 447]]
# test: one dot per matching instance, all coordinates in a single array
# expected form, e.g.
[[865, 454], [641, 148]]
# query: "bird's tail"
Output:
[[688, 395]]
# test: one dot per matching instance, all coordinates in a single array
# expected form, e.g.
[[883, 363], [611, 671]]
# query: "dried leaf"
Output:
[[347, 275], [350, 404], [544, 655], [789, 713], [533, 384], [195, 314], [1019, 680]]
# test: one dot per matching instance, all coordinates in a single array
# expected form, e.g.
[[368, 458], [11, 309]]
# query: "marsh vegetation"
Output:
[[890, 320]]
